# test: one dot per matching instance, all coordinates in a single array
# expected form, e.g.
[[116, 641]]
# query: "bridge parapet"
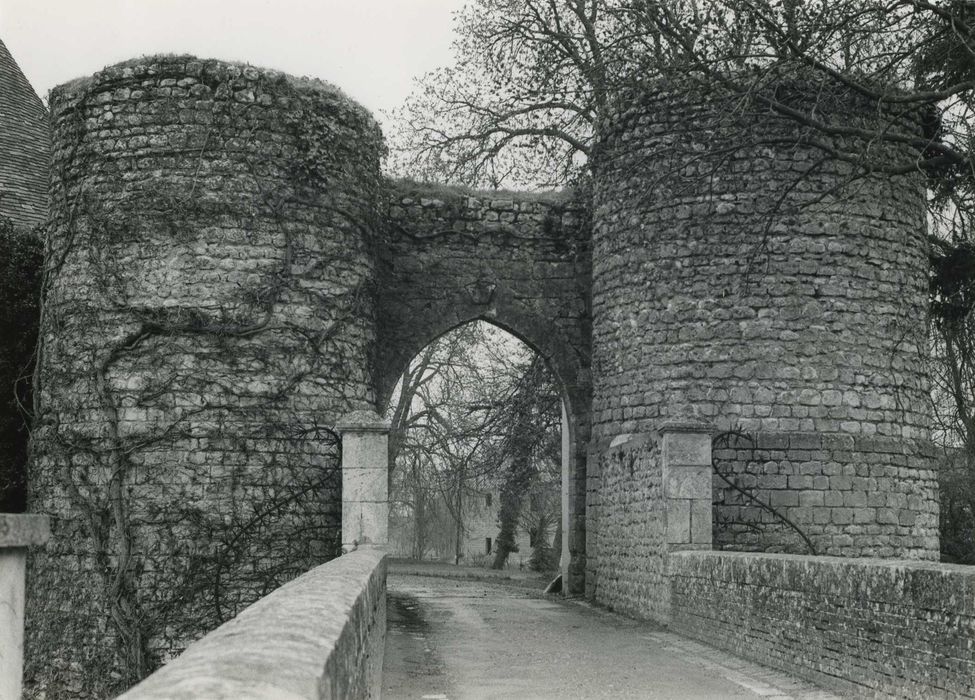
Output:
[[319, 636], [866, 627]]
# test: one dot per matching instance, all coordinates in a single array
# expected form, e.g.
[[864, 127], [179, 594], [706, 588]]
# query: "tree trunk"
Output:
[[557, 543], [419, 525], [512, 495], [459, 532]]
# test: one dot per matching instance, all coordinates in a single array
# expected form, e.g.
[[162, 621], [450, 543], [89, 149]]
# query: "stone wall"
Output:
[[859, 493], [743, 279], [628, 527], [319, 637], [209, 316], [518, 260], [654, 497], [866, 627]]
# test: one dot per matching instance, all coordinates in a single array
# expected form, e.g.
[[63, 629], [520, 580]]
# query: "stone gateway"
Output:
[[228, 274]]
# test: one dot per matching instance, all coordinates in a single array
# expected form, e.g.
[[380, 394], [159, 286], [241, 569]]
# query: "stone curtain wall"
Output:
[[319, 637], [741, 279], [628, 528], [868, 628], [520, 261], [209, 316]]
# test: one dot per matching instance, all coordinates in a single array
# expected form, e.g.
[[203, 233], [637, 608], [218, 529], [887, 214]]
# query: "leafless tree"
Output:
[[533, 80], [467, 409]]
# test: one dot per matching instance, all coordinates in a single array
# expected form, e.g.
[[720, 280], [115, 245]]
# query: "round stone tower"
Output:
[[208, 317], [746, 278]]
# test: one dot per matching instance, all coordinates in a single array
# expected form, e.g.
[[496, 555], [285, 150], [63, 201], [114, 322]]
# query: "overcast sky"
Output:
[[372, 49]]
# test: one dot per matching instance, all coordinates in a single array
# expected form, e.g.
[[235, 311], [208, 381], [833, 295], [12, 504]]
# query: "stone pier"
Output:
[[17, 533], [365, 480]]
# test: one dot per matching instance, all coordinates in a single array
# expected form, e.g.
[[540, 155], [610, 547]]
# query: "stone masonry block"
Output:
[[687, 482], [375, 523], [687, 449], [678, 521], [701, 515], [365, 451], [351, 519], [365, 523], [22, 530], [364, 485]]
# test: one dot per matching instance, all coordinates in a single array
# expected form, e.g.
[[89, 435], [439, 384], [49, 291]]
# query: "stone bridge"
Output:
[[228, 274], [445, 631]]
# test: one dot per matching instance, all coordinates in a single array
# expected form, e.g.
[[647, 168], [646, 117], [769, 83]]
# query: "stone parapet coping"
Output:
[[362, 422], [23, 530], [891, 628], [962, 569], [929, 585], [319, 636], [676, 426]]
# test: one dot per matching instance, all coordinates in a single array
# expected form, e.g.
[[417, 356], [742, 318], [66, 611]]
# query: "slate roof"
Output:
[[25, 145]]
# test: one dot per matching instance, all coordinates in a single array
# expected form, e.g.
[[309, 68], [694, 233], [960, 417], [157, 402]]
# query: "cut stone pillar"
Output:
[[365, 480], [687, 484], [17, 532]]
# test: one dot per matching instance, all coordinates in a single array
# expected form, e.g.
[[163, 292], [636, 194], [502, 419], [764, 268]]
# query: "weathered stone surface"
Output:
[[867, 627], [679, 522], [23, 530], [687, 482], [701, 521], [687, 449], [365, 480], [847, 496], [361, 451], [319, 637], [209, 321], [364, 484], [726, 291], [365, 523], [362, 422], [630, 526], [13, 568]]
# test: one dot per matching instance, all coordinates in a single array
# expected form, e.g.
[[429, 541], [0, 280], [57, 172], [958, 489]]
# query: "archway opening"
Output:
[[478, 446]]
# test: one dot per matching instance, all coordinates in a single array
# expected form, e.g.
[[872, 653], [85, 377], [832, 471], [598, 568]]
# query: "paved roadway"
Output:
[[451, 639]]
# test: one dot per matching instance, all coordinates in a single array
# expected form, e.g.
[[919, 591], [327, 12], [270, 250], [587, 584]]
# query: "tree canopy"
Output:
[[532, 78]]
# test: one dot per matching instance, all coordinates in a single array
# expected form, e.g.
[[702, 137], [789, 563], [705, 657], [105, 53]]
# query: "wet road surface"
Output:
[[451, 639]]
